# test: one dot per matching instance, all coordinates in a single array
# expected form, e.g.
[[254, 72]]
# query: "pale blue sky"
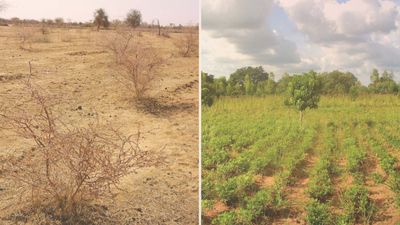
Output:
[[168, 11]]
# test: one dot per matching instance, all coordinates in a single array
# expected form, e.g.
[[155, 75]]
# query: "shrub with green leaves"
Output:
[[357, 206], [318, 213], [225, 219], [235, 189]]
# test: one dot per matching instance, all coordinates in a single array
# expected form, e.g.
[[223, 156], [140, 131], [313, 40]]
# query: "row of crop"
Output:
[[258, 156], [390, 136], [226, 182], [356, 205], [355, 155], [388, 163], [264, 201], [266, 148], [221, 137], [320, 187]]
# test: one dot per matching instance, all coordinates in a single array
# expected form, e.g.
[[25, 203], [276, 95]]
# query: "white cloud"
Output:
[[245, 27], [355, 36]]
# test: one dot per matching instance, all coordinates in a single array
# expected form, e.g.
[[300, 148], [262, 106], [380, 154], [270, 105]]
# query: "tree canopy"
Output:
[[134, 18], [254, 81], [101, 19]]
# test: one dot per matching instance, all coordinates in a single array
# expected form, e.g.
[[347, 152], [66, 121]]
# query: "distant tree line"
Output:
[[254, 81], [100, 20]]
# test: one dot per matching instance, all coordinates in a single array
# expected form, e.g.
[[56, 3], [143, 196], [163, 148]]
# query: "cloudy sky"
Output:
[[300, 35], [171, 11]]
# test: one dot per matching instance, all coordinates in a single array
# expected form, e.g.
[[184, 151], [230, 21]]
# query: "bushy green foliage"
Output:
[[383, 84], [357, 206], [337, 82], [261, 139], [303, 91], [318, 213], [320, 186], [207, 89], [235, 189], [225, 219]]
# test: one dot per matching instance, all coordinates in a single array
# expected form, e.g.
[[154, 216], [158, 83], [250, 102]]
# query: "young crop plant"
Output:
[[318, 213], [320, 186], [357, 206], [234, 189], [303, 92]]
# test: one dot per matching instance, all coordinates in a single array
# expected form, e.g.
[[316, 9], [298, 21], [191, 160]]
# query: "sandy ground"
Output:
[[71, 65]]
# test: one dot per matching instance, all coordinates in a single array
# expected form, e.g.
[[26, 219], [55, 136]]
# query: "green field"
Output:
[[340, 166]]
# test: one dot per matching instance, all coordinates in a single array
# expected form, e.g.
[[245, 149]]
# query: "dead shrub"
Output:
[[189, 44], [141, 66], [66, 38], [139, 62], [25, 36], [67, 169], [119, 43]]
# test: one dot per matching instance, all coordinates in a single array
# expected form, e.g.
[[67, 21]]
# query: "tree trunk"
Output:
[[159, 28]]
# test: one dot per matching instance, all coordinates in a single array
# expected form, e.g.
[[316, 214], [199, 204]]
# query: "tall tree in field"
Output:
[[248, 85], [374, 76], [303, 92], [101, 19], [134, 18], [257, 74], [207, 89]]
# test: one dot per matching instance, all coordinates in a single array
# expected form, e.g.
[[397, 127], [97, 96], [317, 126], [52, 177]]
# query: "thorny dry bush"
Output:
[[119, 43], [25, 35], [189, 44], [139, 61], [68, 170], [28, 35]]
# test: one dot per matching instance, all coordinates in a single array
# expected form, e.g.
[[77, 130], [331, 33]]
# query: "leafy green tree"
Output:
[[229, 89], [256, 74], [384, 84], [220, 85], [207, 89], [134, 18], [248, 85], [270, 87], [303, 92], [354, 92], [260, 88], [238, 90], [374, 76], [101, 19], [337, 82], [282, 84]]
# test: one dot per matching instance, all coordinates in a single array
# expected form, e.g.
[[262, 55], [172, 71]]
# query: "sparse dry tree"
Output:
[[139, 63], [189, 44], [134, 18], [101, 19], [119, 43], [25, 35], [67, 168], [141, 66]]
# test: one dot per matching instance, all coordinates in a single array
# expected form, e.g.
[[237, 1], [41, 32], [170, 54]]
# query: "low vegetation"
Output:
[[262, 165]]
